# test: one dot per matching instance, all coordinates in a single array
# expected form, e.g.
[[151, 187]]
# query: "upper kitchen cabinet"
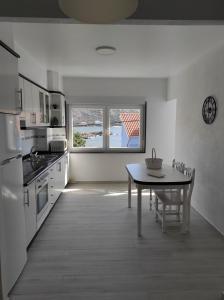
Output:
[[35, 104], [29, 115], [57, 109], [44, 107], [10, 95]]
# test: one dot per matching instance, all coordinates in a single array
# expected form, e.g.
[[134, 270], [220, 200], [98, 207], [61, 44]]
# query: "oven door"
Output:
[[42, 201]]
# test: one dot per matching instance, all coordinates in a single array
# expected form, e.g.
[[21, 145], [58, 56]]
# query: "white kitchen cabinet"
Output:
[[10, 96], [44, 106], [28, 104], [60, 169], [57, 110], [54, 192], [35, 105], [21, 89], [30, 211], [58, 176], [66, 167]]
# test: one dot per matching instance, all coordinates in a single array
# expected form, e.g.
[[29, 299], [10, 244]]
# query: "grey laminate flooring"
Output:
[[88, 249]]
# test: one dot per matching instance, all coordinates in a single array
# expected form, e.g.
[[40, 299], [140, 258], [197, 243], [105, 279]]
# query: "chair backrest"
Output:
[[189, 172], [180, 166]]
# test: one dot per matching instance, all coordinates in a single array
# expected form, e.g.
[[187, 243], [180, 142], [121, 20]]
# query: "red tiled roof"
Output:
[[131, 123]]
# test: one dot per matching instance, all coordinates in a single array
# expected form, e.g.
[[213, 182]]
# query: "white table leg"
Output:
[[129, 191], [185, 210], [139, 213]]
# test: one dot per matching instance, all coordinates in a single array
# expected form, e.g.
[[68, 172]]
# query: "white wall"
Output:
[[198, 144], [160, 123], [30, 67], [6, 34]]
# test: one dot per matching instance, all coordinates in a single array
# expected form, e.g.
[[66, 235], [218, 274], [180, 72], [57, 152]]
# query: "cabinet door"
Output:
[[66, 164], [28, 104], [41, 104], [30, 212], [47, 109], [57, 110], [21, 89], [53, 193], [36, 103], [60, 174], [9, 83], [62, 111]]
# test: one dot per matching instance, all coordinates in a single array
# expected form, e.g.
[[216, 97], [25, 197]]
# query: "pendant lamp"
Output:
[[98, 11]]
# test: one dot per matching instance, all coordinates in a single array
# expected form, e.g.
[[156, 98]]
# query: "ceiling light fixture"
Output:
[[105, 50], [98, 11]]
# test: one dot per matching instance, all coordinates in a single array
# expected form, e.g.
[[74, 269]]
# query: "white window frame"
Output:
[[106, 128]]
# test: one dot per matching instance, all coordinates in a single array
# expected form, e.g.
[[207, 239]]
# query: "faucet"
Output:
[[33, 153]]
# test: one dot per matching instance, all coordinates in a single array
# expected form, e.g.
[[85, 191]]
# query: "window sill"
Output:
[[107, 152]]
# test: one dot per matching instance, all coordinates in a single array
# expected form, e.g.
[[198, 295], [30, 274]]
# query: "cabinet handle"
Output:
[[28, 198], [59, 164]]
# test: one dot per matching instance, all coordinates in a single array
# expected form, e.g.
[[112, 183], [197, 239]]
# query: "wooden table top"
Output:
[[140, 174]]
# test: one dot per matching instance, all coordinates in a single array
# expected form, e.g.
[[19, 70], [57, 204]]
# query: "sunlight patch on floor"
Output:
[[70, 190], [111, 194], [133, 193]]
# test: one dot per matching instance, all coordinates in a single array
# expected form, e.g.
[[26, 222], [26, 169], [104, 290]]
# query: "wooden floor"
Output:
[[88, 249]]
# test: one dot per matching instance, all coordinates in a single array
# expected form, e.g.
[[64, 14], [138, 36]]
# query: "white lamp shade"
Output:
[[98, 11]]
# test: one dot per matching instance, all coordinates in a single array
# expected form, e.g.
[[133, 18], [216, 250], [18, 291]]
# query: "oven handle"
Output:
[[39, 187]]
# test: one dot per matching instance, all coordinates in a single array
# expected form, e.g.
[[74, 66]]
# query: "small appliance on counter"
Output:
[[58, 146]]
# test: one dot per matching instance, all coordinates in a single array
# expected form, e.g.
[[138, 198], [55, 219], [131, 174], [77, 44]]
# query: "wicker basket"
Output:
[[154, 163]]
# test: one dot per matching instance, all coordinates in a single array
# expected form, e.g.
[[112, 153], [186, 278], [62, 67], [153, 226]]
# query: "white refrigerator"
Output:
[[12, 218]]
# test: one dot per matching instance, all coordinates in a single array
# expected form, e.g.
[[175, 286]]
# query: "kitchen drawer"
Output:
[[53, 195]]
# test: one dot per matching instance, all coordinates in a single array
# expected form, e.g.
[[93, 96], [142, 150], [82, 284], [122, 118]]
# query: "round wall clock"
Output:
[[209, 110]]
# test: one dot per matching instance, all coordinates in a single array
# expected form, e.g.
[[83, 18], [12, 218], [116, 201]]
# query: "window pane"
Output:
[[87, 128], [124, 128]]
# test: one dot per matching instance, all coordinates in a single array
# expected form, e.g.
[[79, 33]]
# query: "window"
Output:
[[119, 128]]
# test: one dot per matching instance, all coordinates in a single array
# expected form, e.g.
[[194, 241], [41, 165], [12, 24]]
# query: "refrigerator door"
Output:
[[10, 97], [12, 223], [10, 141]]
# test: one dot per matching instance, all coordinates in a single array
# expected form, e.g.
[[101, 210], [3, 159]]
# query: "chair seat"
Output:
[[169, 197]]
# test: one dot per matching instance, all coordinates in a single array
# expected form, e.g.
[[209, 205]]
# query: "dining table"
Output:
[[167, 178]]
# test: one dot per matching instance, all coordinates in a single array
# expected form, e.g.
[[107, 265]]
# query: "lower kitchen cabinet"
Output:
[[57, 179], [54, 192], [30, 212], [66, 166]]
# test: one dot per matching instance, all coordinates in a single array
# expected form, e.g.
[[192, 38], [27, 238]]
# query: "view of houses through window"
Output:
[[107, 128]]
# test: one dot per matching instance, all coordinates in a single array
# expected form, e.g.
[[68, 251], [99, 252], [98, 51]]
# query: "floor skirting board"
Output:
[[93, 182], [209, 222]]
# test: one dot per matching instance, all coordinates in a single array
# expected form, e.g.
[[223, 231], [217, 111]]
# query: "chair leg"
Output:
[[157, 207], [150, 199], [178, 212], [164, 219]]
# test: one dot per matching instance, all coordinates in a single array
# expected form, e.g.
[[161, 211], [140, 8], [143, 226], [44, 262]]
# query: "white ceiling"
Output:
[[142, 50]]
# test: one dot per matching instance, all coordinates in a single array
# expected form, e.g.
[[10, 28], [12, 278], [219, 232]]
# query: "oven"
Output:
[[42, 199]]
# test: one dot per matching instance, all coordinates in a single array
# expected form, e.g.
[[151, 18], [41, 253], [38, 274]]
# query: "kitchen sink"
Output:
[[40, 158]]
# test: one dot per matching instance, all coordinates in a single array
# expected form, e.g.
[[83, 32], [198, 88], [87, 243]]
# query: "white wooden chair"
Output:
[[180, 166], [169, 202]]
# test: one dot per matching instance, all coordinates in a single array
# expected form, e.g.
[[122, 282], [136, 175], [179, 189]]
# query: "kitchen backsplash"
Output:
[[40, 138], [28, 140]]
